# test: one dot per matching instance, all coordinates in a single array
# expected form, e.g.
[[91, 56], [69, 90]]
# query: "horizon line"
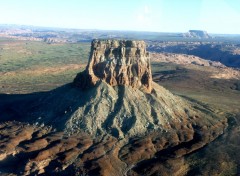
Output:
[[122, 30]]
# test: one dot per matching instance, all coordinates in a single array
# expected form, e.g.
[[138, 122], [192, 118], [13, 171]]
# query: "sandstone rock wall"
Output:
[[117, 62]]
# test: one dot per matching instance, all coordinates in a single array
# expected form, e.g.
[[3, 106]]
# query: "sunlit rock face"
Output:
[[117, 62]]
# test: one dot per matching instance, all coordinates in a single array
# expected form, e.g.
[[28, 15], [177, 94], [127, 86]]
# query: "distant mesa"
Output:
[[197, 34]]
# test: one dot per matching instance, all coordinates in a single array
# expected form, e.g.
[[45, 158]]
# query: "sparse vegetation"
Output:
[[27, 66], [32, 66]]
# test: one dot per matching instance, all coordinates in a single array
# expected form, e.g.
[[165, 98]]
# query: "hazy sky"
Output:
[[215, 16]]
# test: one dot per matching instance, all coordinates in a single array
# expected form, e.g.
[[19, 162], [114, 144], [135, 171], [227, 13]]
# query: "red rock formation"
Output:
[[117, 62]]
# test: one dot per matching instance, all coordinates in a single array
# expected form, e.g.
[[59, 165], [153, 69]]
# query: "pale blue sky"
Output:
[[215, 16]]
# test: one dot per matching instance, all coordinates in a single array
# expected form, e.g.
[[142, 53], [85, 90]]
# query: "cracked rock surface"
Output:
[[117, 62]]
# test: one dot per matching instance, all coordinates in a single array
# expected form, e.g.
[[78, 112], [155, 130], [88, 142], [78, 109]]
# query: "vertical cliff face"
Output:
[[117, 62]]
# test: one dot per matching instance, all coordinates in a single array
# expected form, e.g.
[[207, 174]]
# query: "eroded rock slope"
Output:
[[113, 120]]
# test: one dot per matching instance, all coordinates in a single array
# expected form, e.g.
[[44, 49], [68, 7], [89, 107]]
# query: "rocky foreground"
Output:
[[112, 120]]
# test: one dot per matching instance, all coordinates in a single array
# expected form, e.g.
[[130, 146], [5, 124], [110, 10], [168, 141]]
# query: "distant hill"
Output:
[[197, 34]]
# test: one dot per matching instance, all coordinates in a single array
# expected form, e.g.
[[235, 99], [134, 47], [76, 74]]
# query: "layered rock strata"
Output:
[[117, 62]]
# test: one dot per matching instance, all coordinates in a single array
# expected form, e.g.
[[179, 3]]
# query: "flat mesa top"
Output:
[[119, 43]]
